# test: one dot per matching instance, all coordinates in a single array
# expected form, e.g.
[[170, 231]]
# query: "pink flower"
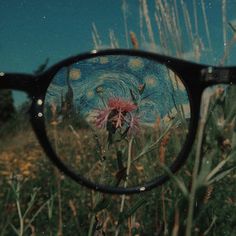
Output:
[[102, 117], [122, 105], [117, 114]]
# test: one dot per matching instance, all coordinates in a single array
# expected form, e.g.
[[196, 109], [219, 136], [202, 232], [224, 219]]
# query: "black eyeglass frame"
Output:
[[195, 77]]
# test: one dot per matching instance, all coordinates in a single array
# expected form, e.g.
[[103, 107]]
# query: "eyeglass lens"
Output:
[[115, 119]]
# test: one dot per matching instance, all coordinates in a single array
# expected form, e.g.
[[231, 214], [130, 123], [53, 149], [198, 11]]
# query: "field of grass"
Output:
[[36, 199]]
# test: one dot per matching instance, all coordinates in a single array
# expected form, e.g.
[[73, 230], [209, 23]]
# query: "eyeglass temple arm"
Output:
[[23, 82], [232, 75], [219, 75]]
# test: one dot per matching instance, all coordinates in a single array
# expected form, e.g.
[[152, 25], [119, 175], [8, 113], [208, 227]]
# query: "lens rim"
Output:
[[187, 72]]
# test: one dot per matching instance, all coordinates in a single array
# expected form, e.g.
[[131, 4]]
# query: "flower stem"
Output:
[[126, 181], [197, 163]]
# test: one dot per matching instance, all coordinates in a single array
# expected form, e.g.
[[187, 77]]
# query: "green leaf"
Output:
[[217, 169], [134, 231], [176, 180], [125, 214], [221, 174], [205, 170], [140, 202], [102, 204]]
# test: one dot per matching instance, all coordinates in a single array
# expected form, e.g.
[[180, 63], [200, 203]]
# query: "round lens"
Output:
[[117, 119]]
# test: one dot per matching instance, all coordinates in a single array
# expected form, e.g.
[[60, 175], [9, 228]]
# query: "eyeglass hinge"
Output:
[[215, 75]]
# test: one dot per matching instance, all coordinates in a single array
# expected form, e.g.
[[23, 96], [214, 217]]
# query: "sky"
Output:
[[33, 30]]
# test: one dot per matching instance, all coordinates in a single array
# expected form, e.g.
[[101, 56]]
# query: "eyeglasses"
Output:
[[111, 119]]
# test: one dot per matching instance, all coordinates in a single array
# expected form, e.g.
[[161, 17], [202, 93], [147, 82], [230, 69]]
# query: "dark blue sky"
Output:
[[33, 30]]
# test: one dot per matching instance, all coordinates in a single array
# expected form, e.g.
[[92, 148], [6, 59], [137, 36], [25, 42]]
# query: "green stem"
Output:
[[126, 181], [196, 165], [21, 230], [91, 225], [21, 219], [153, 145]]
